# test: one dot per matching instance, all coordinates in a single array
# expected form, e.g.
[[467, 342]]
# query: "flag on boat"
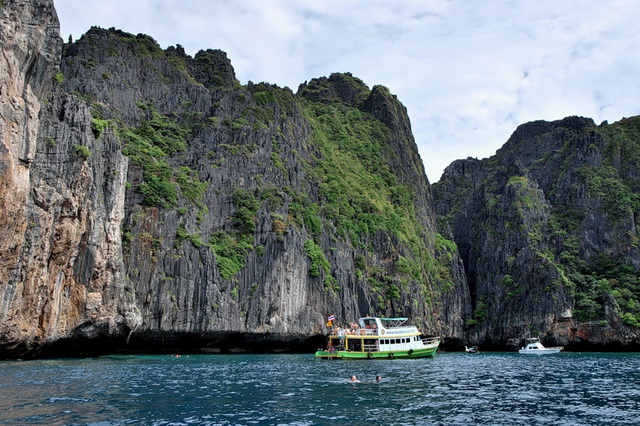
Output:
[[330, 320]]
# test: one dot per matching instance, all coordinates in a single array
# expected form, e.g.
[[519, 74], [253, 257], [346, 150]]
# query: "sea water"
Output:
[[451, 389]]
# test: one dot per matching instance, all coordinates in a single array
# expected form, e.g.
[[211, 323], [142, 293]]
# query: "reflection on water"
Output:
[[486, 388]]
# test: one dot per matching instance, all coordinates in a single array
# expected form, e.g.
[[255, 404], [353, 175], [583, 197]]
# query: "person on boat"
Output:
[[354, 379]]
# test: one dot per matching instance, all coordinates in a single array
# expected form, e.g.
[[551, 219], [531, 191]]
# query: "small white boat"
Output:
[[471, 350], [534, 347]]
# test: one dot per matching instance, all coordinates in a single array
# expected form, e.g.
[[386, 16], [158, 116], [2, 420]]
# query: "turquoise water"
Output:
[[451, 389]]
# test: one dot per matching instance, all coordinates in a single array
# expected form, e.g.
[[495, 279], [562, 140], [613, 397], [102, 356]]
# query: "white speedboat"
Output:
[[471, 350], [534, 347]]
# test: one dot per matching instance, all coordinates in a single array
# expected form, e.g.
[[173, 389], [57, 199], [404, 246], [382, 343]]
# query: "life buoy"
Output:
[[410, 351], [391, 355], [369, 355], [383, 331]]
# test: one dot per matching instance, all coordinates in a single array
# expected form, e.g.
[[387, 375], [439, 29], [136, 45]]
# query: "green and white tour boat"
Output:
[[379, 338]]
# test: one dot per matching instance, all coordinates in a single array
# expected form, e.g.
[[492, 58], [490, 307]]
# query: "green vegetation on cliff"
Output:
[[350, 192], [556, 210], [231, 248], [151, 146], [355, 183], [607, 277], [360, 194]]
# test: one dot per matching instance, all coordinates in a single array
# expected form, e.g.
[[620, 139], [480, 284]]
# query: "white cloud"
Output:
[[468, 71]]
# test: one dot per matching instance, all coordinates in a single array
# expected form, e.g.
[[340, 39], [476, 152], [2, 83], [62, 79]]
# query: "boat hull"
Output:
[[547, 351], [426, 352]]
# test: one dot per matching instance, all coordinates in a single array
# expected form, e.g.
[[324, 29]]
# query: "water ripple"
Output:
[[486, 388]]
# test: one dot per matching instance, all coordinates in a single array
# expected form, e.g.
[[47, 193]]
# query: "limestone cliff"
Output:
[[547, 230], [53, 221], [153, 203]]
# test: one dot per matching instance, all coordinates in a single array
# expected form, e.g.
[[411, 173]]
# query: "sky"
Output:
[[468, 71]]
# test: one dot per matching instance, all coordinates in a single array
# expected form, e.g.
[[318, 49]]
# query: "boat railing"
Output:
[[371, 348], [380, 332], [430, 340], [363, 332]]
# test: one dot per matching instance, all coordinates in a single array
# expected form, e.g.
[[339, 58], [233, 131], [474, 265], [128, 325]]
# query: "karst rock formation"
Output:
[[150, 202]]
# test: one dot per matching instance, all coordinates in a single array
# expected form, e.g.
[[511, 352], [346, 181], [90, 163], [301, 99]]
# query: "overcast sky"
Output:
[[468, 71]]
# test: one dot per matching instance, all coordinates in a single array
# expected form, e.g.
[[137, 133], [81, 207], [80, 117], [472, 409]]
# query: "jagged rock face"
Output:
[[250, 141], [30, 48], [537, 227], [168, 207], [152, 203]]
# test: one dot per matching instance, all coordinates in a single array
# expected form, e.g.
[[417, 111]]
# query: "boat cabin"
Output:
[[535, 347]]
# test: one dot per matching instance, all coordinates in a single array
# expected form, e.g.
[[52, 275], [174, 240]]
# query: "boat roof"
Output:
[[387, 319], [392, 322]]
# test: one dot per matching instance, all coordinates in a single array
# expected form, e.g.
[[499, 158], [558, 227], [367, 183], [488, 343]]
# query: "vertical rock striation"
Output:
[[547, 231], [62, 198], [166, 207], [150, 202], [30, 49]]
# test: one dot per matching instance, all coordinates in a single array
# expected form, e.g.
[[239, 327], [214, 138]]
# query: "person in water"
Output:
[[378, 379], [354, 379]]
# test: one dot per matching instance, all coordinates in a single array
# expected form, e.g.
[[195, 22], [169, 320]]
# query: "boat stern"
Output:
[[324, 354]]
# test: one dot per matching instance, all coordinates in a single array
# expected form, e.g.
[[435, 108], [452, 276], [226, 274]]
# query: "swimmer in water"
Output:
[[354, 379]]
